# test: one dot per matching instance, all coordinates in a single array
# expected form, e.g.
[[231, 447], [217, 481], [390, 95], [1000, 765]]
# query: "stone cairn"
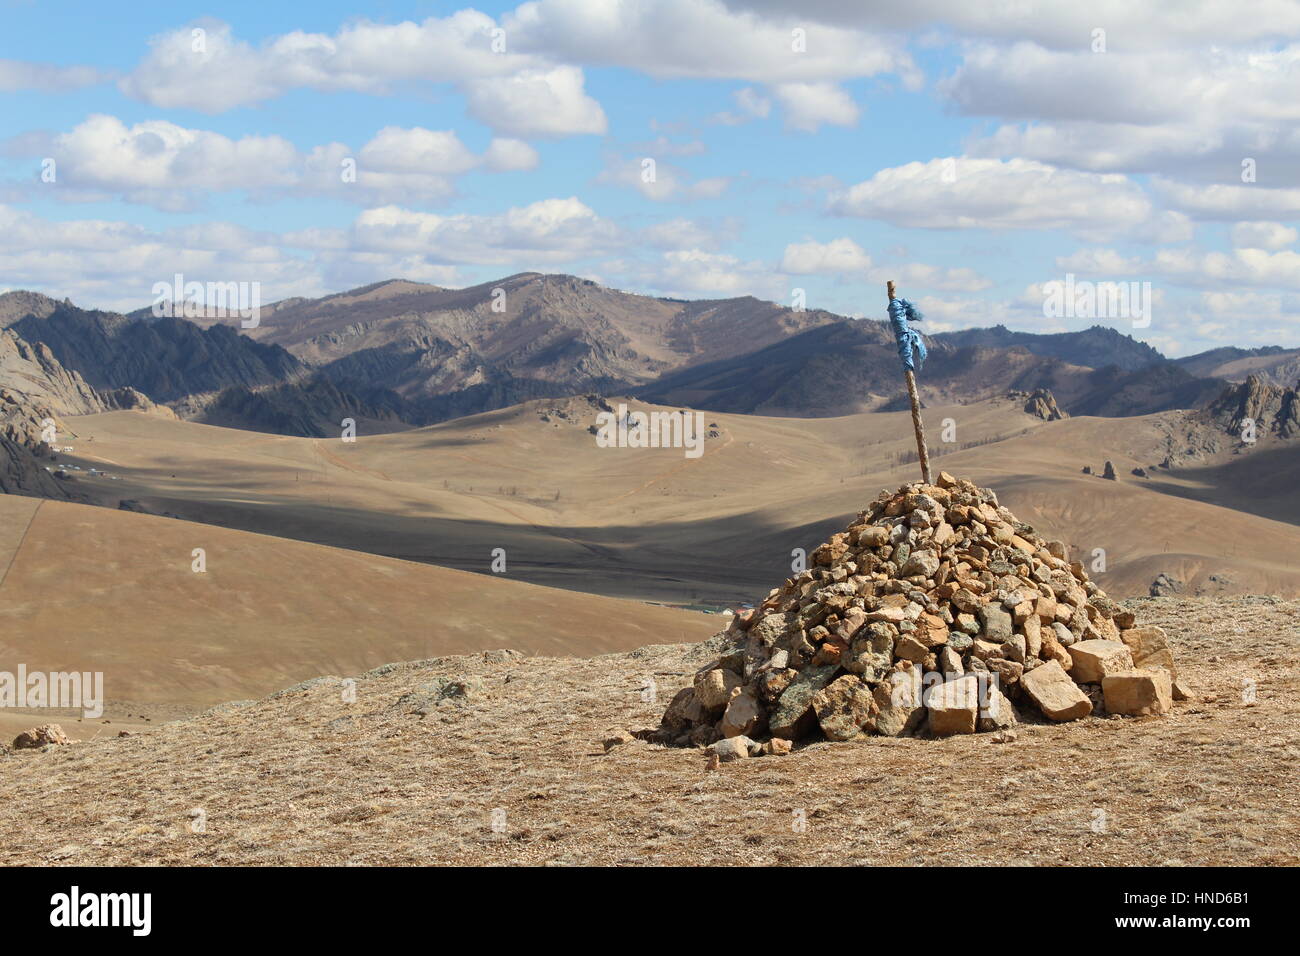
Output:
[[936, 612]]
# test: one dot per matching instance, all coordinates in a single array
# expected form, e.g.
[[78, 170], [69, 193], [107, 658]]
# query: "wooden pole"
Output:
[[916, 410]]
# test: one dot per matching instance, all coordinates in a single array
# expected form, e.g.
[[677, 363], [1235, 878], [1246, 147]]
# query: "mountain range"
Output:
[[400, 354]]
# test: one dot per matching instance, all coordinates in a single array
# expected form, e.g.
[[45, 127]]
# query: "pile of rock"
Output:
[[43, 736], [936, 612]]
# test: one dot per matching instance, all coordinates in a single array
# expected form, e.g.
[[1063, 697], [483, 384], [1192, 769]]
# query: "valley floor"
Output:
[[513, 771]]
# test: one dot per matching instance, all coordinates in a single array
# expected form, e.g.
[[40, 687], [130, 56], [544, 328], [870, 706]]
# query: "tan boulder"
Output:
[[899, 707], [731, 748], [953, 706], [744, 715], [1053, 650], [996, 710], [1058, 697], [931, 630], [964, 599], [41, 736], [683, 710], [1138, 693], [873, 536], [1093, 660], [1150, 648], [1033, 631], [713, 688], [908, 648]]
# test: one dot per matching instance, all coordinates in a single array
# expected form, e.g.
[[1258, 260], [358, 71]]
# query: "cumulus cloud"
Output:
[[18, 75], [1193, 267], [697, 272], [543, 103], [1202, 111], [660, 181], [847, 260], [173, 167], [809, 106], [547, 231], [967, 193], [700, 39], [205, 67], [1100, 262], [751, 105], [684, 233], [1263, 235], [1224, 202], [115, 265], [837, 257], [524, 76], [1150, 26]]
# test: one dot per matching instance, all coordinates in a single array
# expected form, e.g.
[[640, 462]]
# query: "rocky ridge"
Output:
[[1274, 409], [936, 612]]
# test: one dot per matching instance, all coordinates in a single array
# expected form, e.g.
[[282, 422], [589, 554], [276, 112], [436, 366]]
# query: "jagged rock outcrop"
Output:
[[36, 390], [1166, 585], [1040, 403], [1274, 410], [166, 359]]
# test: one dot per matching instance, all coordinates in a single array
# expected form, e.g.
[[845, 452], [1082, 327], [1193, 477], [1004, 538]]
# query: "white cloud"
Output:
[[1200, 113], [837, 257], [534, 87], [18, 75], [751, 105], [687, 234], [175, 168], [542, 103], [114, 264], [1254, 267], [510, 155], [547, 231], [659, 181], [688, 272], [1224, 202], [847, 260], [699, 39], [1100, 262], [1263, 235], [1150, 26], [994, 194], [925, 276], [808, 106], [517, 94]]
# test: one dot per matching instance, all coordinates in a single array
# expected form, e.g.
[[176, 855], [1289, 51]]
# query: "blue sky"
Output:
[[973, 157]]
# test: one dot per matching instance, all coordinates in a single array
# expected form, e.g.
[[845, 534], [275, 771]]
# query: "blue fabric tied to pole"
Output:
[[909, 340]]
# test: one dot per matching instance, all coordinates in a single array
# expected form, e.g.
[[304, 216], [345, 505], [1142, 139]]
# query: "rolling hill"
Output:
[[92, 589], [653, 524]]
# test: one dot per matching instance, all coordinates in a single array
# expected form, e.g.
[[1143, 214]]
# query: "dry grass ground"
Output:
[[304, 777]]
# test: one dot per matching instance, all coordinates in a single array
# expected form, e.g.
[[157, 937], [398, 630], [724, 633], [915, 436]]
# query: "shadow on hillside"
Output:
[[1260, 482]]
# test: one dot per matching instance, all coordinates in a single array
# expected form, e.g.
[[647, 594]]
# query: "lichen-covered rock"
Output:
[[793, 714], [843, 707]]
